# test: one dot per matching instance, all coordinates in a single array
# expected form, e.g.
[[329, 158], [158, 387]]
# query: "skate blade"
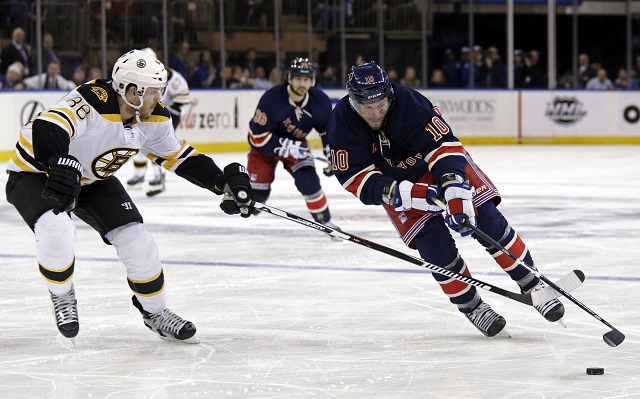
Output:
[[561, 322], [153, 193], [504, 334], [192, 340]]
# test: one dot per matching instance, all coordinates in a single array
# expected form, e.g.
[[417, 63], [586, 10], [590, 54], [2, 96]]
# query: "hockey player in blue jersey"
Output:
[[390, 146], [285, 115]]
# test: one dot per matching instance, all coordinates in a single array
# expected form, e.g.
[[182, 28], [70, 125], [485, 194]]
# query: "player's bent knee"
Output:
[[55, 239], [136, 249]]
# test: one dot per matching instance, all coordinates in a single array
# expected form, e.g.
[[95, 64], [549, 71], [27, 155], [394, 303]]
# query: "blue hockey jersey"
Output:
[[278, 116], [415, 143]]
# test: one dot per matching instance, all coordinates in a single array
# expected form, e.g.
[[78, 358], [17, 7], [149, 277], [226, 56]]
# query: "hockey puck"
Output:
[[595, 371]]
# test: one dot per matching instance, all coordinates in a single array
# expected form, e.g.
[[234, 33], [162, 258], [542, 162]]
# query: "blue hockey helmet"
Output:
[[368, 83], [302, 67]]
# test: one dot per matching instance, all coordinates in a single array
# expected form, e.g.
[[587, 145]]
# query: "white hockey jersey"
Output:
[[177, 90], [98, 138]]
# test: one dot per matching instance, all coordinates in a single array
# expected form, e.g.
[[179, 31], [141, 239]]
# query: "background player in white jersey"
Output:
[[176, 97], [65, 161]]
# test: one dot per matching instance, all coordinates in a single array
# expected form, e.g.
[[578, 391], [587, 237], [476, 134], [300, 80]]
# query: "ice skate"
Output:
[[552, 310], [65, 310], [156, 186], [135, 181], [335, 227], [487, 320], [168, 325]]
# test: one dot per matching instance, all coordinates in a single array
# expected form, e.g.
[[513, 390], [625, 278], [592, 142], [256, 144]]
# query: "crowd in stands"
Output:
[[490, 71], [203, 69]]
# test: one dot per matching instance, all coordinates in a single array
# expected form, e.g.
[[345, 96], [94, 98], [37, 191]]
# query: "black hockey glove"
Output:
[[238, 197], [63, 184]]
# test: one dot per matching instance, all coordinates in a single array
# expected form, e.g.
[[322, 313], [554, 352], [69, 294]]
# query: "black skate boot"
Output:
[[65, 310], [168, 325], [552, 310], [156, 186], [486, 320]]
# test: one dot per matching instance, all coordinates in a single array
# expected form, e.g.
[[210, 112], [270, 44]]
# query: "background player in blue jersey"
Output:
[[286, 114], [390, 146]]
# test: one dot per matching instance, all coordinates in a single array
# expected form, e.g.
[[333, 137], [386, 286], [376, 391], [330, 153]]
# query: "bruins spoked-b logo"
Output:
[[108, 163], [565, 110]]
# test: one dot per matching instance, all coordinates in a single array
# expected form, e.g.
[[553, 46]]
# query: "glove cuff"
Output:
[[67, 162], [389, 192], [450, 178]]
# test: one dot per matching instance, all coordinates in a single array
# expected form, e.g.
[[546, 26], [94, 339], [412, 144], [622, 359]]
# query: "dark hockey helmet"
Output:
[[367, 84], [302, 67]]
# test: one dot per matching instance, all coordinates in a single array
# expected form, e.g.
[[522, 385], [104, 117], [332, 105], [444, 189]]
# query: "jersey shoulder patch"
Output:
[[100, 96]]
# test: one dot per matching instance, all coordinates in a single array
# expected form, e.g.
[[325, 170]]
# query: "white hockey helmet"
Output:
[[141, 69], [149, 50]]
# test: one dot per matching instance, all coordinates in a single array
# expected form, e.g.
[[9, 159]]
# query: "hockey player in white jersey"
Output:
[[65, 161], [176, 97]]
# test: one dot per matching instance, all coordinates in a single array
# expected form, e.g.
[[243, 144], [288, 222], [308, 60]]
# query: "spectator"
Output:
[[17, 50], [275, 76], [530, 76], [94, 73], [437, 79], [450, 69], [585, 70], [20, 13], [518, 61], [624, 81], [393, 75], [204, 72], [464, 73], [238, 78], [48, 54], [49, 80], [261, 81], [79, 76], [410, 78], [180, 60], [12, 80], [492, 72], [183, 20], [249, 62], [565, 81], [328, 78], [600, 82], [359, 60]]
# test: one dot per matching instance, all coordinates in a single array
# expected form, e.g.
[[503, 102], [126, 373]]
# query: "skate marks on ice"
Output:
[[282, 311]]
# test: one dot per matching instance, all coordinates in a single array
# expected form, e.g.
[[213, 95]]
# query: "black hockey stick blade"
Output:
[[613, 338]]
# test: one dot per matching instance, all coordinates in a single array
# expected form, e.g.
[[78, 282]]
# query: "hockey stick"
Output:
[[523, 298], [322, 159], [612, 338]]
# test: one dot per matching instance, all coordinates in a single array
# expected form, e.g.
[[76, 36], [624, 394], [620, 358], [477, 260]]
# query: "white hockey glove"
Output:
[[327, 170], [407, 195], [460, 207], [292, 148]]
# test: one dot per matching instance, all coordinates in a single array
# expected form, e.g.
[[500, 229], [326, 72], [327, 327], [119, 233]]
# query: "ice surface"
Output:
[[283, 311]]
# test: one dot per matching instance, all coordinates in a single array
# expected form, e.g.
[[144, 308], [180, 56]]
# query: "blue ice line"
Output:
[[316, 267]]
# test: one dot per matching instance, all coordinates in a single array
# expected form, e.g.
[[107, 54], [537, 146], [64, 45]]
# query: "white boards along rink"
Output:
[[218, 120]]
